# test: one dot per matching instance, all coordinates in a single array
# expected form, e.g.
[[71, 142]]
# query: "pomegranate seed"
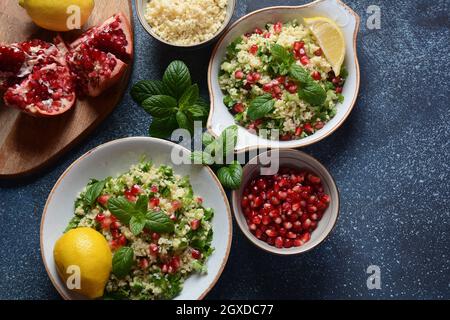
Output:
[[253, 49], [115, 234], [130, 197], [195, 224], [173, 217], [248, 35], [297, 243], [245, 202], [279, 242], [316, 75], [176, 205], [267, 35], [278, 220], [238, 108], [314, 179], [250, 79], [287, 243], [338, 89], [308, 128], [304, 60], [153, 202], [258, 31], [103, 199], [292, 88], [196, 254], [155, 236], [302, 52], [277, 27], [143, 263], [298, 131], [135, 190], [306, 224], [287, 225], [265, 220], [337, 81], [318, 52], [305, 237], [154, 249], [298, 45], [325, 198], [100, 217], [122, 240], [267, 87], [271, 233], [239, 74], [281, 80], [154, 189], [175, 263], [115, 225], [319, 125], [164, 268], [256, 220]]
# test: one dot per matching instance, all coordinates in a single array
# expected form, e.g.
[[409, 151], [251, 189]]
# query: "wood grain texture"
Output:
[[28, 144]]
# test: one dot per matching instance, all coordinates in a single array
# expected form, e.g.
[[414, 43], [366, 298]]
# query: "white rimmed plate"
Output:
[[220, 118], [114, 158]]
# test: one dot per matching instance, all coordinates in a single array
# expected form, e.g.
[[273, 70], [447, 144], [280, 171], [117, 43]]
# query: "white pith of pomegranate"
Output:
[[113, 36], [94, 70], [48, 91]]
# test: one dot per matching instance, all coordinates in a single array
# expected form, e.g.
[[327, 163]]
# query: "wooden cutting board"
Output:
[[28, 144]]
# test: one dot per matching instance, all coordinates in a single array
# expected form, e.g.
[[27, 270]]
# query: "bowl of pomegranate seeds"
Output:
[[288, 207]]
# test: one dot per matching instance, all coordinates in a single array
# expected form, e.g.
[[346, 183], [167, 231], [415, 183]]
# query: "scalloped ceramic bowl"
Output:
[[113, 158], [346, 18]]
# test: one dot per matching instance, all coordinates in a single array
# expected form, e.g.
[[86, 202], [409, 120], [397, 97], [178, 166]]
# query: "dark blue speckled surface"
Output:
[[390, 161]]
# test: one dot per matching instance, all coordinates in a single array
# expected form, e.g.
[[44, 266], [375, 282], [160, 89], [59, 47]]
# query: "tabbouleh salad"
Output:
[[158, 231], [279, 78]]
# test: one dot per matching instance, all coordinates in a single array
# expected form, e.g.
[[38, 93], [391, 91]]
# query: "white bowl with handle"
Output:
[[220, 117]]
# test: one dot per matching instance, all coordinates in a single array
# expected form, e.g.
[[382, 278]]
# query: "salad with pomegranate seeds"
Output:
[[158, 230], [284, 209], [278, 79]]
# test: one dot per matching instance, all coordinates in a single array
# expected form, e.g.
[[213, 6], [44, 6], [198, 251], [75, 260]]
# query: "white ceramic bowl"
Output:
[[140, 9], [116, 157], [220, 118], [294, 159]]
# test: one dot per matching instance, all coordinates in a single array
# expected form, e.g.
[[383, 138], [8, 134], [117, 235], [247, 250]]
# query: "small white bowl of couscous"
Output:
[[185, 23]]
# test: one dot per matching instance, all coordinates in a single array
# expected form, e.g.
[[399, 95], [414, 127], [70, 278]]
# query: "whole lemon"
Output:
[[59, 15], [84, 253]]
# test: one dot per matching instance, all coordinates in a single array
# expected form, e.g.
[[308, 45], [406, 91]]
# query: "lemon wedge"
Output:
[[331, 40]]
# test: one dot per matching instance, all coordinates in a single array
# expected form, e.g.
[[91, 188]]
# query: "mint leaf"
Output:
[[122, 262], [260, 106], [141, 204], [160, 106], [184, 122], [281, 54], [94, 191], [312, 93], [189, 97], [163, 127], [231, 176], [137, 224], [121, 208], [73, 223], [146, 88], [207, 139], [159, 222], [228, 138], [199, 157], [177, 78], [300, 74]]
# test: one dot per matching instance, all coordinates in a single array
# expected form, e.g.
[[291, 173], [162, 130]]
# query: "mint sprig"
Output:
[[173, 102], [230, 176], [138, 217]]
